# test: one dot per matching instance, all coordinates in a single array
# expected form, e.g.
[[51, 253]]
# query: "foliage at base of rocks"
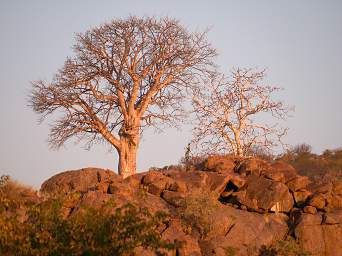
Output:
[[287, 247], [196, 212], [105, 231], [14, 194]]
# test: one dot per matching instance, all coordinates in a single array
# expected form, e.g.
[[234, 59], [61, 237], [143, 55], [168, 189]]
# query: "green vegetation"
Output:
[[311, 164], [287, 247], [41, 229], [197, 212], [230, 251]]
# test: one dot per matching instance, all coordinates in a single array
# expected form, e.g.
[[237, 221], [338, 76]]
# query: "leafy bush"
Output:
[[197, 212], [90, 231], [310, 164], [287, 247]]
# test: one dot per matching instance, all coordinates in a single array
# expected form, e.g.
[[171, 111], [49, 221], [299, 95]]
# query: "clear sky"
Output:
[[299, 42]]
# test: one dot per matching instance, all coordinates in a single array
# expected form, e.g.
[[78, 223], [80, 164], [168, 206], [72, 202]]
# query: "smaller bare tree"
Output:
[[226, 111]]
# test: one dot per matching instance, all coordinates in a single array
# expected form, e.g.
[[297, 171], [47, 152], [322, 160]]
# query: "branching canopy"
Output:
[[226, 113], [126, 75]]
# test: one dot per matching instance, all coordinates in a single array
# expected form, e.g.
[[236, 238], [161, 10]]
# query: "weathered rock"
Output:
[[333, 202], [256, 186], [301, 197], [79, 180], [310, 209], [189, 245], [220, 164], [319, 240], [309, 220], [201, 182], [317, 200], [334, 217], [156, 182], [263, 194], [337, 186], [298, 183], [288, 171], [334, 199], [95, 199], [174, 198], [225, 194], [178, 186], [216, 183], [242, 230], [275, 175], [323, 188], [254, 166], [238, 181]]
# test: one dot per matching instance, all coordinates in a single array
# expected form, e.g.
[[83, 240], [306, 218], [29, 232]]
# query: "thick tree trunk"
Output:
[[128, 154], [238, 144]]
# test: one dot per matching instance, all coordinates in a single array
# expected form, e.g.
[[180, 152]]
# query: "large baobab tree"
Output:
[[125, 75], [227, 111]]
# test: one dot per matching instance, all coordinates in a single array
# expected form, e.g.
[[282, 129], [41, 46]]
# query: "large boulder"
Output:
[[286, 169], [319, 238], [188, 245], [264, 195], [253, 166], [298, 183], [213, 183], [156, 182], [241, 231], [80, 181], [220, 164]]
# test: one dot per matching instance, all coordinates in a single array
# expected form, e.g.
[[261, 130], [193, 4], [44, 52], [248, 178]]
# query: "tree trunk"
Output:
[[238, 144], [128, 155]]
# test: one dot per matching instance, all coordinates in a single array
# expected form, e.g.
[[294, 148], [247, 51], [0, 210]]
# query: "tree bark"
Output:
[[239, 151], [128, 153]]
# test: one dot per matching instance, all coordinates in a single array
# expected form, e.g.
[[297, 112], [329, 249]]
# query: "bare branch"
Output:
[[226, 110], [126, 75]]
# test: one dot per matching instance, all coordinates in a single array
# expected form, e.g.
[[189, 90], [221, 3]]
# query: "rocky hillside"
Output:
[[224, 206]]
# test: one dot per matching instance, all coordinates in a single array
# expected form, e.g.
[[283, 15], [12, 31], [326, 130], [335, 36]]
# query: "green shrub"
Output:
[[287, 247], [90, 231], [197, 212], [312, 165]]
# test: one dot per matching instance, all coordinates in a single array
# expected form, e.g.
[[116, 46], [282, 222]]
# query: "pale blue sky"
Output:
[[299, 42]]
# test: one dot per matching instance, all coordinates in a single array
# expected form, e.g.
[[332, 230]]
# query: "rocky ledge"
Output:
[[225, 206]]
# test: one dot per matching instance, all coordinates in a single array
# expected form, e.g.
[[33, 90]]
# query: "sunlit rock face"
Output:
[[220, 206]]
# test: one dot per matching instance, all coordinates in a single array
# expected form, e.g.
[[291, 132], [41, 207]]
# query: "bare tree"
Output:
[[126, 75], [226, 111]]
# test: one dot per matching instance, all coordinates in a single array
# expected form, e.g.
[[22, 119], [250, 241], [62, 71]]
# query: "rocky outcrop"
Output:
[[320, 234], [80, 181], [232, 206], [264, 195]]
